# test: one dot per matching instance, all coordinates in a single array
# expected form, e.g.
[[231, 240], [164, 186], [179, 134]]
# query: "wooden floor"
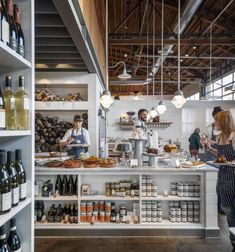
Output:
[[140, 244]]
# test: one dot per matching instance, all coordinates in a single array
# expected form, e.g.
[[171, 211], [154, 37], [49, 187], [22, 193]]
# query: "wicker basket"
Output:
[[92, 165]]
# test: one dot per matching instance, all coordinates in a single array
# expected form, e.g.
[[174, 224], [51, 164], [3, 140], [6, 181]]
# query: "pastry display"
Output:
[[91, 162], [152, 151], [54, 163], [221, 159], [107, 163], [170, 148], [70, 163]]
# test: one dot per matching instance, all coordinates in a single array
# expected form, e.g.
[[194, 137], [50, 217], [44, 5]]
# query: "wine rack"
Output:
[[13, 64]]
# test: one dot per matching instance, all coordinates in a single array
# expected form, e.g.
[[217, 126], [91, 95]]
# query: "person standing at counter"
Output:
[[194, 143], [226, 178], [140, 129], [78, 136]]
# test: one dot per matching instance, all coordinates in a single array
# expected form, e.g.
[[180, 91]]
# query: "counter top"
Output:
[[143, 169]]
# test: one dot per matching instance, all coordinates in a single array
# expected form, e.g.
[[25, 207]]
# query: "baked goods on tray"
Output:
[[70, 163], [170, 148], [54, 163], [107, 163], [91, 162], [221, 159], [152, 151]]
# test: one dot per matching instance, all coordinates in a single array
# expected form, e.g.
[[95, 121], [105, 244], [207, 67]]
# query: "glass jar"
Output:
[[95, 214], [107, 206], [101, 206], [107, 217], [102, 218], [89, 217], [89, 207], [83, 206], [108, 192], [83, 217], [96, 205], [122, 192], [123, 210]]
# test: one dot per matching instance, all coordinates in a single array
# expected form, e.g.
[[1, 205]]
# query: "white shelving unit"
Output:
[[14, 65], [96, 178]]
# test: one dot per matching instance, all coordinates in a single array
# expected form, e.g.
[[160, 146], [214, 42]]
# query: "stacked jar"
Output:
[[185, 189], [148, 187], [184, 211], [151, 211], [123, 188]]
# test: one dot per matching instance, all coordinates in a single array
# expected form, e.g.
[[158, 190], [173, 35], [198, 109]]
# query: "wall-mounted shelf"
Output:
[[158, 124], [62, 105], [126, 125]]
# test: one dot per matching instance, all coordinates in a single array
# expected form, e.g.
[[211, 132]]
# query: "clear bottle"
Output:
[[13, 239], [12, 26], [5, 186], [13, 178], [3, 241], [21, 41], [21, 175], [22, 106], [9, 101], [2, 111], [4, 23]]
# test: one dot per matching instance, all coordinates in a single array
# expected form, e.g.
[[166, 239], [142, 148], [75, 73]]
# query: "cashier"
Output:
[[140, 124], [76, 135]]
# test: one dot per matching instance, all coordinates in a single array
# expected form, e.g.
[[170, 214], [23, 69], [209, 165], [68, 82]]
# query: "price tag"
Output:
[[134, 163]]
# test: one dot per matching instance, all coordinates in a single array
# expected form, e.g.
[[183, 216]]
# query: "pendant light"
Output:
[[161, 108], [153, 113], [178, 100], [106, 99]]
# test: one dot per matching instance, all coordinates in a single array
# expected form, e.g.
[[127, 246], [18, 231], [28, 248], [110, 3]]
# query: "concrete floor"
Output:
[[139, 244]]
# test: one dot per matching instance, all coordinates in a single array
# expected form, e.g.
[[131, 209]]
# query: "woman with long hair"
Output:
[[226, 177]]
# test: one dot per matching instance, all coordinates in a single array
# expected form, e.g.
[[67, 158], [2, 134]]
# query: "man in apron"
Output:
[[77, 136], [140, 129]]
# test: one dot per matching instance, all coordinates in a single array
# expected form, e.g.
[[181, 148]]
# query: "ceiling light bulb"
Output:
[[178, 100], [181, 60], [186, 55], [194, 47], [106, 99], [161, 108], [153, 113], [125, 55]]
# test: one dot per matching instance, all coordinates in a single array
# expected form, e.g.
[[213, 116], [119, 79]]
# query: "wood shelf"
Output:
[[11, 133], [62, 105], [15, 210], [9, 58]]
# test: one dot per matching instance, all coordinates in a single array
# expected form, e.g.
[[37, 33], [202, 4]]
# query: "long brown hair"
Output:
[[226, 123]]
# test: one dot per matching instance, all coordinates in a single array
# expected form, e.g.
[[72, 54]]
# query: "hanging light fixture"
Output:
[[161, 108], [124, 75], [153, 113], [178, 100], [106, 99]]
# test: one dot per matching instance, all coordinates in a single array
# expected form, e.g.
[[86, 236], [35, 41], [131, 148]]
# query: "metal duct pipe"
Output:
[[186, 16]]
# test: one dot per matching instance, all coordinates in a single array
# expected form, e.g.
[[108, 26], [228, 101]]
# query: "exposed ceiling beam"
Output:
[[192, 41], [56, 49], [54, 42], [58, 56]]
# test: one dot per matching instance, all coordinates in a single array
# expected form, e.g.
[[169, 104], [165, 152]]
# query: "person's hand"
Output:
[[71, 140]]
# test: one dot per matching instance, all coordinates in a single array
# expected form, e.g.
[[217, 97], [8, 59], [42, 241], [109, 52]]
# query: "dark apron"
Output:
[[80, 139]]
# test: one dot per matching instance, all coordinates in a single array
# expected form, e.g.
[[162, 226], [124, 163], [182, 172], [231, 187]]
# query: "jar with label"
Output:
[[149, 187], [180, 193], [89, 207], [190, 218], [153, 218], [143, 219], [96, 205], [144, 179], [172, 218], [149, 193], [197, 194], [107, 206], [149, 180], [89, 217], [177, 204], [196, 219], [178, 211], [144, 186], [117, 193], [184, 218], [108, 192], [123, 218], [173, 186], [83, 217], [107, 185], [159, 212], [180, 186], [113, 216], [171, 204], [112, 186], [137, 192], [143, 207], [148, 218], [117, 186], [178, 218], [190, 205], [173, 192], [83, 207], [159, 219], [148, 212], [183, 205], [154, 193], [185, 193], [128, 192], [144, 193], [95, 215], [148, 205], [172, 211], [107, 216], [123, 210], [101, 205], [132, 192], [154, 206], [190, 212], [102, 218], [154, 186], [196, 205], [122, 192]]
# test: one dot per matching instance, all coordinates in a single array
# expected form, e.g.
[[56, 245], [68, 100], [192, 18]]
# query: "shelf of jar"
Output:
[[158, 124], [170, 198], [57, 198], [9, 58], [15, 210], [62, 105], [9, 133], [103, 197], [165, 224]]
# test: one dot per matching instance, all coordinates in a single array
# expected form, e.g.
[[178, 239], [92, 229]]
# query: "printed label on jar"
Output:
[[26, 103], [2, 118], [23, 191], [5, 201], [15, 195]]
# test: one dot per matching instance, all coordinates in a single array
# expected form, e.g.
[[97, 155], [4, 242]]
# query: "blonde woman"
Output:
[[226, 178]]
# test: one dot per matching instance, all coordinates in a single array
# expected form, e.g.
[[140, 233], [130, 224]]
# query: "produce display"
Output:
[[49, 131], [47, 95]]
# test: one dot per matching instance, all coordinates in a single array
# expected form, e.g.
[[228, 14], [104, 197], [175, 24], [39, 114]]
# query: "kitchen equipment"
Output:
[[138, 148], [124, 148]]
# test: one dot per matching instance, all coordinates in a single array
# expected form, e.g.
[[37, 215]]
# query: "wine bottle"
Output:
[[13, 178], [3, 241], [4, 24], [5, 186], [76, 186], [2, 111], [22, 106], [12, 26], [9, 101], [58, 186], [21, 41], [13, 239], [65, 186], [70, 186], [21, 175]]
